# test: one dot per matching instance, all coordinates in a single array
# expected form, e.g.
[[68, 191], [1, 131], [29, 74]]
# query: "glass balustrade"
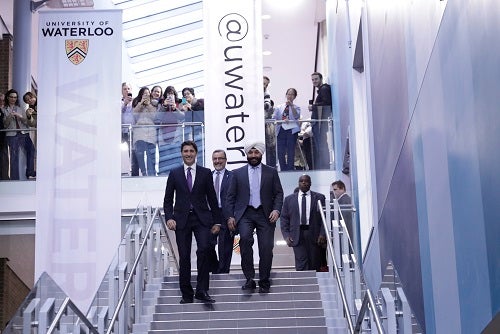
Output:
[[154, 149]]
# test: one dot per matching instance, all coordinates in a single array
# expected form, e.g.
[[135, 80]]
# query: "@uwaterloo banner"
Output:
[[78, 162], [234, 97]]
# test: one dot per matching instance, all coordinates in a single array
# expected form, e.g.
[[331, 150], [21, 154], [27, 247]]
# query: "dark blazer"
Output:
[[224, 186], [238, 195], [202, 198], [290, 217]]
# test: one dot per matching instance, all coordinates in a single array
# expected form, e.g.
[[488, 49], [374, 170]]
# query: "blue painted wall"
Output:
[[434, 72]]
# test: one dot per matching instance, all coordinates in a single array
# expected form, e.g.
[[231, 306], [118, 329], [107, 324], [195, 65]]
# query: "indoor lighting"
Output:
[[266, 53], [266, 17]]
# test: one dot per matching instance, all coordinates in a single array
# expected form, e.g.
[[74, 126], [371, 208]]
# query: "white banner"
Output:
[[234, 97], [78, 221]]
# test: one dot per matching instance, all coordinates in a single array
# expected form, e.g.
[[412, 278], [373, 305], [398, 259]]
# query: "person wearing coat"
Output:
[[302, 226]]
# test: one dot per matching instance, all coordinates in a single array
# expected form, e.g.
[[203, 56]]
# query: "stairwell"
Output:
[[294, 306]]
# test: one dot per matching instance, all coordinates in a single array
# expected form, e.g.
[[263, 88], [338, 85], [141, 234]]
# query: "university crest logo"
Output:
[[76, 50]]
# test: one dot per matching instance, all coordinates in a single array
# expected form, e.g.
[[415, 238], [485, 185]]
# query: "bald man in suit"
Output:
[[303, 229], [254, 200]]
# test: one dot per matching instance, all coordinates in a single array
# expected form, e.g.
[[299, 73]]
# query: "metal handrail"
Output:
[[337, 272], [121, 300], [368, 300], [62, 310]]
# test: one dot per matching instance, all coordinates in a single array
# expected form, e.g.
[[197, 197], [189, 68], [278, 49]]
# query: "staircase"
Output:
[[293, 306]]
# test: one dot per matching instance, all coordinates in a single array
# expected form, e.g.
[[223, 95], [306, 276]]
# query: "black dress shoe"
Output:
[[186, 300], [263, 289], [249, 285], [204, 297]]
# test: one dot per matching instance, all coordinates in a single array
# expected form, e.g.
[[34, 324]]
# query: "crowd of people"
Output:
[[215, 205], [150, 123], [298, 143], [17, 136]]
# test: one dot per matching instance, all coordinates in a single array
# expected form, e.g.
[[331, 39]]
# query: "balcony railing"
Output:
[[154, 149]]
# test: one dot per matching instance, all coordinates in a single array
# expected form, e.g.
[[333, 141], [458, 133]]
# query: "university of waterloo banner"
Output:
[[234, 98], [78, 164]]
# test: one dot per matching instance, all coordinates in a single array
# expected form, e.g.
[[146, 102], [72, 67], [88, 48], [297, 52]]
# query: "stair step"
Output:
[[243, 297], [258, 330], [240, 323], [234, 306], [241, 281], [237, 290], [239, 314], [240, 276]]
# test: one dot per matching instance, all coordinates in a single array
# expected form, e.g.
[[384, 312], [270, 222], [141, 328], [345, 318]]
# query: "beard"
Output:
[[254, 161]]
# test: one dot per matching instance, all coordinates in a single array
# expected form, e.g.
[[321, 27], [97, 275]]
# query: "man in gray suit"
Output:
[[302, 227], [254, 201]]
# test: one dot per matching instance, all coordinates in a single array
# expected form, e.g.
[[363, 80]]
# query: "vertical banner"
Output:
[[234, 98], [78, 222]]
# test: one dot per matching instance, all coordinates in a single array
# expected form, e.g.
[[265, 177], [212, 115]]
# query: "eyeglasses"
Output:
[[218, 159]]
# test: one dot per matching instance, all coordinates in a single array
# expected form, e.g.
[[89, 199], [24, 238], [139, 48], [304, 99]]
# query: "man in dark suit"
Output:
[[254, 201], [195, 211], [222, 178], [302, 227], [345, 204]]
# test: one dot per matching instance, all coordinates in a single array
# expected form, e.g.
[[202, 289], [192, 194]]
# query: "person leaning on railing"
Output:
[[15, 119], [4, 152], [144, 135]]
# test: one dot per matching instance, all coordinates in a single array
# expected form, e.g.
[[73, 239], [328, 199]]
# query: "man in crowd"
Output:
[[270, 130], [254, 201], [321, 110], [302, 226], [196, 210], [345, 203]]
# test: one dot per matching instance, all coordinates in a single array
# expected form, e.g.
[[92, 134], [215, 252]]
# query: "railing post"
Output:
[[102, 319], [122, 315], [389, 308], [404, 320], [46, 315], [28, 315]]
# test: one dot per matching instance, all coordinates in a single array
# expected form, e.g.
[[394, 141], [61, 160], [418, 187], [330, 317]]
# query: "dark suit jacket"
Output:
[[238, 195], [224, 186], [290, 217], [202, 198]]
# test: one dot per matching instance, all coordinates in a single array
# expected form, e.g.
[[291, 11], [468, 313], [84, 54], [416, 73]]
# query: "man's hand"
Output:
[[231, 224], [289, 241], [273, 217], [322, 241], [215, 229], [171, 224]]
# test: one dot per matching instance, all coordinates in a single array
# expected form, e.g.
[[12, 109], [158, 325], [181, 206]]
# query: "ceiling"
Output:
[[163, 39]]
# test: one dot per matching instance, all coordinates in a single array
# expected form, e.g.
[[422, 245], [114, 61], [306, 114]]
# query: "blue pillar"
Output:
[[21, 79]]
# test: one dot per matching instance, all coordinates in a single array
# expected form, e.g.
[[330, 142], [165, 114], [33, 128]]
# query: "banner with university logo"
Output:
[[78, 220], [234, 98]]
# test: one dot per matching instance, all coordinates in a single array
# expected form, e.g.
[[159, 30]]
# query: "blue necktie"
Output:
[[189, 179], [217, 186]]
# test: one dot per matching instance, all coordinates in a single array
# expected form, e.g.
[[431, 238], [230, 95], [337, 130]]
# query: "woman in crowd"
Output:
[[287, 130], [191, 102], [19, 138], [168, 116], [144, 134], [156, 93], [31, 113]]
